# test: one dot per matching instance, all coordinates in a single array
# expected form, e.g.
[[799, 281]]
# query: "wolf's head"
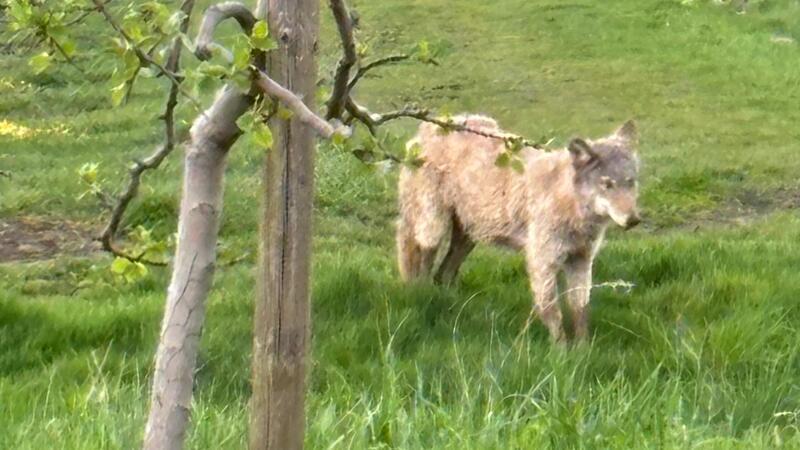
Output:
[[607, 172]]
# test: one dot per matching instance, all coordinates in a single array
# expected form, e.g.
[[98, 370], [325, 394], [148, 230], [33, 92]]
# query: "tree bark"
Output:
[[212, 135], [281, 329]]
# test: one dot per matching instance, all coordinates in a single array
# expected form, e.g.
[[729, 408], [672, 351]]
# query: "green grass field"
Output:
[[701, 353]]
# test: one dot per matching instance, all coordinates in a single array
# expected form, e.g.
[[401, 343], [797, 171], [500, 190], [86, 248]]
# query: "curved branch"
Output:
[[341, 85], [296, 105], [377, 63], [213, 16]]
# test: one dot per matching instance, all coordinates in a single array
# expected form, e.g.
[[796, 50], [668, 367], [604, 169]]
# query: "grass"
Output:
[[701, 353]]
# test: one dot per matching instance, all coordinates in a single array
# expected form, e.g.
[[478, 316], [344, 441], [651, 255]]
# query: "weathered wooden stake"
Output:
[[282, 316]]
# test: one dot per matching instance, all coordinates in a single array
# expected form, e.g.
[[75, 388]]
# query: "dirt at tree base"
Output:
[[36, 239]]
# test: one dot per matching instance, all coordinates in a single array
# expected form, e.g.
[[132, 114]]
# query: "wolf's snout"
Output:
[[632, 221]]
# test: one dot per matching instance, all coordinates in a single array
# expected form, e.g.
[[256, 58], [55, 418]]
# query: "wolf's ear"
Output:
[[628, 131], [582, 153]]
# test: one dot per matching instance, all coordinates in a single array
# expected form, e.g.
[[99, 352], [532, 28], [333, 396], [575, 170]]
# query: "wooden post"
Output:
[[282, 313]]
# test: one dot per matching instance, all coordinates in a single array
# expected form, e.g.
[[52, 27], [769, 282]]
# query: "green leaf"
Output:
[[131, 62], [212, 70], [362, 49], [159, 15], [323, 94], [206, 85], [120, 266], [39, 63], [119, 45], [517, 165], [242, 81], [246, 121], [135, 272], [21, 11], [262, 135], [503, 160], [423, 51], [284, 114], [148, 72], [68, 47], [142, 235], [260, 29], [128, 270], [57, 32], [135, 31], [241, 56], [338, 138], [88, 173], [156, 251], [264, 44], [414, 151], [427, 52], [118, 93], [259, 38]]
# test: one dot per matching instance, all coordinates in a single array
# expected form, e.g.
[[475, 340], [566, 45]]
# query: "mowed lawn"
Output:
[[700, 353]]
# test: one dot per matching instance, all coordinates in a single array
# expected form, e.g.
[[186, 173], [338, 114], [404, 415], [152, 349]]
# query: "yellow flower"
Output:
[[12, 129], [19, 131]]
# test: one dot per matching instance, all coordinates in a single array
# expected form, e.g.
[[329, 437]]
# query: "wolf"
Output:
[[557, 209]]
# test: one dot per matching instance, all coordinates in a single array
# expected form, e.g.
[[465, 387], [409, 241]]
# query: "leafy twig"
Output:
[[144, 58], [154, 160]]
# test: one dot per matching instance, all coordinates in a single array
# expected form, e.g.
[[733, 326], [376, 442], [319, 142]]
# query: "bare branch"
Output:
[[361, 114], [154, 160], [373, 120], [372, 65], [213, 16], [296, 105], [341, 86]]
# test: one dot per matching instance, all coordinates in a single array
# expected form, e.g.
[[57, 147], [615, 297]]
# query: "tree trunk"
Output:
[[212, 135], [281, 331]]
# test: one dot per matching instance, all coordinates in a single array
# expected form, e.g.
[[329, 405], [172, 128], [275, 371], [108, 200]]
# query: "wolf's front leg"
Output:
[[543, 268], [578, 274]]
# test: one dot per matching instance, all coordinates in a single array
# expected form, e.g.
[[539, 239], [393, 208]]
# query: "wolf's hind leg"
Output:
[[423, 224], [460, 247], [408, 251], [415, 257], [431, 224]]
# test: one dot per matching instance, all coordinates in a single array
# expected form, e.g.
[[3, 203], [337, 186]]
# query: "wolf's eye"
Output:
[[607, 183]]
